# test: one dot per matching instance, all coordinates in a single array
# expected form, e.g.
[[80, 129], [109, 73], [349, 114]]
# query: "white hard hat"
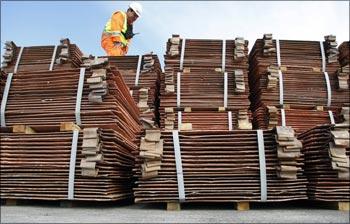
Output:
[[137, 7]]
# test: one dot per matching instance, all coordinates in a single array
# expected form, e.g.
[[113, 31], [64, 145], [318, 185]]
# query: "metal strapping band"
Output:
[[225, 89], [179, 120], [73, 156], [223, 65], [178, 162], [4, 99], [262, 164], [323, 57], [113, 33], [280, 78], [182, 54], [278, 53], [138, 70], [178, 88], [283, 117], [53, 58], [18, 60], [229, 114], [331, 117], [329, 91], [79, 96]]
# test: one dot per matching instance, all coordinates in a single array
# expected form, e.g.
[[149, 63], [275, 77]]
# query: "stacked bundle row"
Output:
[[225, 166], [204, 75], [41, 165]]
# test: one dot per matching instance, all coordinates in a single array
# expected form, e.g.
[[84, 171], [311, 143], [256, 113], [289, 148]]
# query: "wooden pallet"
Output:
[[245, 206], [176, 206], [64, 203]]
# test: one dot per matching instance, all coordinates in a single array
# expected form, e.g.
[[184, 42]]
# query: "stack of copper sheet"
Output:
[[147, 78], [303, 79], [300, 118], [219, 166], [294, 54], [204, 75], [300, 88], [44, 98], [344, 53], [326, 150], [204, 90], [205, 55], [34, 58], [37, 166]]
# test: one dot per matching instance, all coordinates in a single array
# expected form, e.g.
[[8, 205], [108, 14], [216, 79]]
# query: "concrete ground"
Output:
[[287, 212]]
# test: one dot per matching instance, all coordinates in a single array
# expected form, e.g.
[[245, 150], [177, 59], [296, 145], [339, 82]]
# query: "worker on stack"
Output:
[[118, 30]]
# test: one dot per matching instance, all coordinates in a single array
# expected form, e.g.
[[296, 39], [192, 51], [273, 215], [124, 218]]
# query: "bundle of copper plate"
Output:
[[34, 58], [220, 166], [38, 166], [44, 98], [300, 118], [294, 55], [299, 88]]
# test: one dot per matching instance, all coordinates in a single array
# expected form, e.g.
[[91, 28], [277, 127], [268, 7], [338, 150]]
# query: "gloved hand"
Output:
[[129, 33]]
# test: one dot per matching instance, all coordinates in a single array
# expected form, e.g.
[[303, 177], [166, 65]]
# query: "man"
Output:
[[118, 32]]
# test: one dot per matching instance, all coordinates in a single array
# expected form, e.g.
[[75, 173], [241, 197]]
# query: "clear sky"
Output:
[[30, 23]]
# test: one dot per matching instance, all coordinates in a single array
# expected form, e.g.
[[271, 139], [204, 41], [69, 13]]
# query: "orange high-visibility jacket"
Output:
[[113, 40]]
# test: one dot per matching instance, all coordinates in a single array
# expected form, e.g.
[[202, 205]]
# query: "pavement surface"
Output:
[[302, 212]]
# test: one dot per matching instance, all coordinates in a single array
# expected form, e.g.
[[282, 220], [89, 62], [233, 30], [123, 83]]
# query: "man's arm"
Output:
[[117, 26]]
